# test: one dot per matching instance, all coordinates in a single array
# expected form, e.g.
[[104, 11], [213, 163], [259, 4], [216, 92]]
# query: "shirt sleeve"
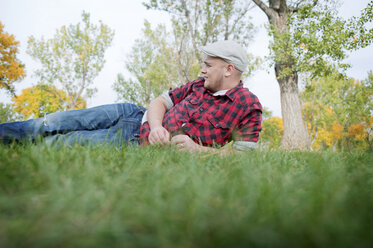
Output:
[[244, 145], [167, 98], [250, 126]]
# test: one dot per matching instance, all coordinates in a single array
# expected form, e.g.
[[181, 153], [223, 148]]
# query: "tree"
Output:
[[73, 58], [35, 102], [11, 69], [7, 113], [172, 58], [153, 65], [308, 37], [203, 22], [338, 112]]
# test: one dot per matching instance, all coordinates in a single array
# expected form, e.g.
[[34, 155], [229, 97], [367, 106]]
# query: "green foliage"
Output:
[[7, 113], [152, 197], [210, 20], [73, 57], [363, 36], [318, 40]]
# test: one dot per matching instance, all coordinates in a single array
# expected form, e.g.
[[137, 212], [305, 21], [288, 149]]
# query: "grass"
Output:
[[158, 197]]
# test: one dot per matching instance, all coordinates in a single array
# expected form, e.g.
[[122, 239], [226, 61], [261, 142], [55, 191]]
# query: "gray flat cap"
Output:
[[229, 51]]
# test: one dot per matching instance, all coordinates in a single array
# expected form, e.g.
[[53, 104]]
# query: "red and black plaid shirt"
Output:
[[210, 119]]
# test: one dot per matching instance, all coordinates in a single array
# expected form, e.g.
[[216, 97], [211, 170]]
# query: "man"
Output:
[[210, 111]]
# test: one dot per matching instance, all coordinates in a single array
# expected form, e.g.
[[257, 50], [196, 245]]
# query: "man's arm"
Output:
[[158, 134]]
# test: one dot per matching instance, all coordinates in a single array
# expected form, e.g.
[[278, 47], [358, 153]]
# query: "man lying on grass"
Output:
[[208, 112]]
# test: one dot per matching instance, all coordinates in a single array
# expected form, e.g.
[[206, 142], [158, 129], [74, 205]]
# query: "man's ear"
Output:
[[229, 70]]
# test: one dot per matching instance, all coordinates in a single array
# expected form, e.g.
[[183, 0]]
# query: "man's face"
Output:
[[213, 70]]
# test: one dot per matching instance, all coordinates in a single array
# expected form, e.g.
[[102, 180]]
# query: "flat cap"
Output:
[[229, 51]]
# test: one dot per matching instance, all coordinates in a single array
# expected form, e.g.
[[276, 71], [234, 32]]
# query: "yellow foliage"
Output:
[[357, 131], [328, 137], [272, 132], [11, 69], [329, 111], [323, 138], [35, 101], [276, 121], [337, 131], [302, 46]]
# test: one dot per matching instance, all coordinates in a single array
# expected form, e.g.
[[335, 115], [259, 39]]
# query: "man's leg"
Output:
[[126, 130], [101, 117]]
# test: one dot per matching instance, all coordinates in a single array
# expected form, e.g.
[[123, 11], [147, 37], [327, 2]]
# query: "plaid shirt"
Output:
[[209, 119]]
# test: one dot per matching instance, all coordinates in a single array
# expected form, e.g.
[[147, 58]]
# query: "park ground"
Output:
[[157, 197]]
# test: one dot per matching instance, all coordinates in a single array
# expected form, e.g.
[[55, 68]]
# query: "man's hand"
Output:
[[159, 135], [185, 143]]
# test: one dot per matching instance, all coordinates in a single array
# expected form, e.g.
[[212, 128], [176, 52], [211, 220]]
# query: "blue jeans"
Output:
[[107, 124]]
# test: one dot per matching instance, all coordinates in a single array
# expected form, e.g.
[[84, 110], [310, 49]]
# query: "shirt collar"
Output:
[[220, 93], [231, 93]]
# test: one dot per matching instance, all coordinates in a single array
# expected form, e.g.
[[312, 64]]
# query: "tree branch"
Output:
[[189, 22], [237, 20], [263, 7], [297, 7]]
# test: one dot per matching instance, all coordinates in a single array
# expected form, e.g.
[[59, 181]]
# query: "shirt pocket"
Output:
[[192, 106], [219, 131], [219, 123]]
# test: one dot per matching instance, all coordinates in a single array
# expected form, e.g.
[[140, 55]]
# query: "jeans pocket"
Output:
[[130, 130]]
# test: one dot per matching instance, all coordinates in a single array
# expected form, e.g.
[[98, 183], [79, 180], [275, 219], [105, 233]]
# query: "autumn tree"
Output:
[[36, 101], [338, 112], [322, 123], [72, 58], [11, 69], [308, 37]]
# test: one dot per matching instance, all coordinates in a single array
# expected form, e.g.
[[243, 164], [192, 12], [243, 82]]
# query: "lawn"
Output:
[[157, 197]]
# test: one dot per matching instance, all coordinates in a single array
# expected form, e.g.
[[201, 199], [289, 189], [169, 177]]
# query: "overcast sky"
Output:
[[24, 18]]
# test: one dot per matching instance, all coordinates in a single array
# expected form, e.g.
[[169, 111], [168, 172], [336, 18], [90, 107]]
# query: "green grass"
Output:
[[157, 197]]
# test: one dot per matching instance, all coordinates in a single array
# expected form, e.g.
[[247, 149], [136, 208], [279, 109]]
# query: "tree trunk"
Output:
[[295, 132]]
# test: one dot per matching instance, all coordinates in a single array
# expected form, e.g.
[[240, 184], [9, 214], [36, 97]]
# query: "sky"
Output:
[[24, 18]]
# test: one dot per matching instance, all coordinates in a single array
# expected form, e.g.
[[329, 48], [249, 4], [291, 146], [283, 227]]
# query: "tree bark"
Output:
[[295, 132]]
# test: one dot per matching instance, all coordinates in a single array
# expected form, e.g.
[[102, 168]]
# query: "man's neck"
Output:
[[230, 84]]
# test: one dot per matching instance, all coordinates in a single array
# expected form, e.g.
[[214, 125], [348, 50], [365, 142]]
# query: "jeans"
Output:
[[107, 124]]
